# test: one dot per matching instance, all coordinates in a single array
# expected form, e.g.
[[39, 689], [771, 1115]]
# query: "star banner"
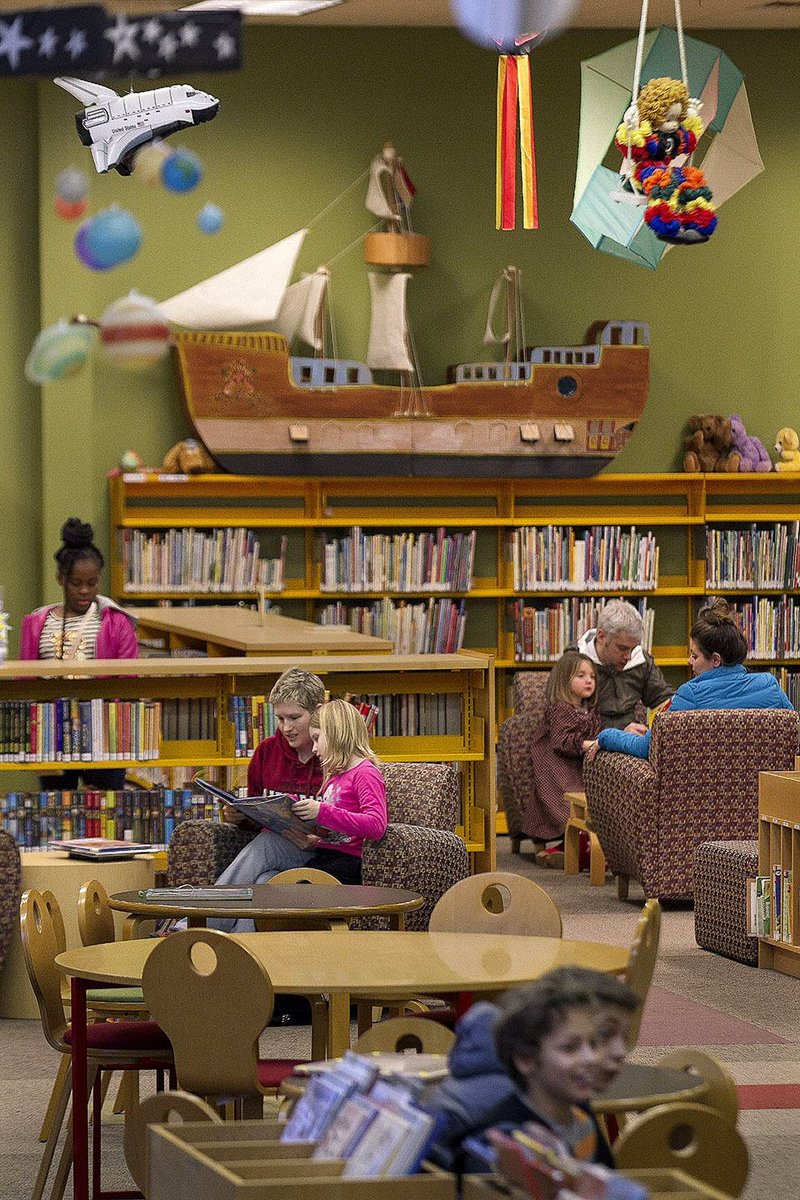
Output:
[[70, 41]]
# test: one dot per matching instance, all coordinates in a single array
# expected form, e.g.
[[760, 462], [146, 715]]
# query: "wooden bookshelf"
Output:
[[469, 674], [677, 508], [779, 845]]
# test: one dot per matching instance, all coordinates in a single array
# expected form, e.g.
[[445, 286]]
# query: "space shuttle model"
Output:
[[114, 127]]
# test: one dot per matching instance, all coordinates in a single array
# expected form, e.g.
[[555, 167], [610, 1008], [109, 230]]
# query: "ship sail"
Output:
[[505, 291], [388, 335], [302, 313], [248, 293], [389, 191]]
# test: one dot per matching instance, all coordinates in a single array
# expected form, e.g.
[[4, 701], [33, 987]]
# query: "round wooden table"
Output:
[[338, 964], [298, 905]]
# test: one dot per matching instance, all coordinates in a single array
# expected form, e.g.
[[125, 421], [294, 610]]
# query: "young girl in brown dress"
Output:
[[570, 724]]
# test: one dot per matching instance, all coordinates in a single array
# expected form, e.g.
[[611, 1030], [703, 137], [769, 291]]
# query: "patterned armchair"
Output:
[[11, 879], [419, 851], [699, 784], [515, 777]]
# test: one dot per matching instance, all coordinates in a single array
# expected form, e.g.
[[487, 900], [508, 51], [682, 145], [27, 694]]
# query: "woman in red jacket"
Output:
[[85, 625]]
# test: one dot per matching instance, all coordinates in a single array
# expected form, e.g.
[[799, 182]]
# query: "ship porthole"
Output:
[[567, 385]]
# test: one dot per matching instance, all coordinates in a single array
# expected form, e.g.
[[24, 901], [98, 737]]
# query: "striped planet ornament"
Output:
[[133, 332], [58, 351]]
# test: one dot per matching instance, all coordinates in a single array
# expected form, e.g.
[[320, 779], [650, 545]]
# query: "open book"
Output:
[[274, 811]]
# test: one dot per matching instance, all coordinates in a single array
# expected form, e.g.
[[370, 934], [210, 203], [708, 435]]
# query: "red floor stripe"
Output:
[[769, 1095]]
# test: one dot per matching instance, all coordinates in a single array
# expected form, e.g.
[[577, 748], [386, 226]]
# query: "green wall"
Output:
[[295, 128]]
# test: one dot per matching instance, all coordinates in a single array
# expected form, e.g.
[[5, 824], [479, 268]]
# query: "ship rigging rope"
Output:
[[364, 175], [627, 166]]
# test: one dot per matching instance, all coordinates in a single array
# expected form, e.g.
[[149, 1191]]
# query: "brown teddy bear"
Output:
[[188, 457], [708, 445]]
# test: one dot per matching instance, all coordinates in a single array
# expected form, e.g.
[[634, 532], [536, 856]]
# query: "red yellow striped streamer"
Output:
[[527, 148], [505, 191]]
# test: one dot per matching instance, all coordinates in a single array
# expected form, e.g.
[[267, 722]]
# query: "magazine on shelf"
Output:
[[273, 810], [101, 848]]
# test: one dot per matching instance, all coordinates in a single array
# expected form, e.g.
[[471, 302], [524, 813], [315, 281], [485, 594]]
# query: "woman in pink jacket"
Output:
[[85, 625]]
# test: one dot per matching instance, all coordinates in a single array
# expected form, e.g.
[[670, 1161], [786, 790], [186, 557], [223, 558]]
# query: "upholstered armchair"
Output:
[[419, 851], [11, 879], [699, 784], [515, 776]]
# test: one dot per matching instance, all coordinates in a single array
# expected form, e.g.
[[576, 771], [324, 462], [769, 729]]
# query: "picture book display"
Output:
[[100, 847]]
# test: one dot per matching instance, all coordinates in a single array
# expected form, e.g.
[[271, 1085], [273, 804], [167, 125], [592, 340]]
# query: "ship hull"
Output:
[[245, 406]]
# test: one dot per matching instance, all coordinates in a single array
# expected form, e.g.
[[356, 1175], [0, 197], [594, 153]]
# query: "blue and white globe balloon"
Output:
[[112, 237], [59, 350], [182, 171], [210, 219]]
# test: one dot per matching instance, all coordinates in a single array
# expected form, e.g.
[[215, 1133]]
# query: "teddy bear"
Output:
[[753, 453], [787, 445], [188, 457], [708, 445]]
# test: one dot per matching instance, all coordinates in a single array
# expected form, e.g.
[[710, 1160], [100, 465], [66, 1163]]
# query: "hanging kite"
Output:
[[731, 156], [514, 28]]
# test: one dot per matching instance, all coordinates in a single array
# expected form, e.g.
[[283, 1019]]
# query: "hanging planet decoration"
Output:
[[70, 210], [72, 184], [133, 333], [210, 219], [108, 239], [58, 351], [181, 171], [149, 161]]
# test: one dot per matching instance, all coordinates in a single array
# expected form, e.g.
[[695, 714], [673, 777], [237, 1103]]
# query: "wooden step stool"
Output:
[[578, 823]]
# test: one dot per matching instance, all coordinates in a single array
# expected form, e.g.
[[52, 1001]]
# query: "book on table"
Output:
[[187, 894], [273, 811], [103, 848]]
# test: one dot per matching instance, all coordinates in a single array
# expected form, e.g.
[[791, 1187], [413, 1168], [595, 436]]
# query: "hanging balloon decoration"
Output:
[[210, 219], [181, 171], [58, 351], [71, 194], [149, 161], [133, 333], [111, 237], [514, 28]]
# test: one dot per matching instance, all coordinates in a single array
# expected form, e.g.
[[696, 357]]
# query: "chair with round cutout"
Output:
[[721, 1093], [690, 1138], [406, 1035]]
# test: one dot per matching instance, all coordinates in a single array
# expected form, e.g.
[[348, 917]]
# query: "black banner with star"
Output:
[[72, 41]]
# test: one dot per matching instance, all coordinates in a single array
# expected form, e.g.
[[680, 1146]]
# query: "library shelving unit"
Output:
[[468, 674], [678, 509], [779, 846]]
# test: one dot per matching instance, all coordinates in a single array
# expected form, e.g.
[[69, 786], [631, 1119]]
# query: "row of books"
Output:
[[191, 560], [398, 562], [71, 730], [34, 819], [543, 634], [753, 557], [189, 718], [413, 714], [771, 625], [427, 627], [253, 720], [770, 905], [559, 557], [353, 1113]]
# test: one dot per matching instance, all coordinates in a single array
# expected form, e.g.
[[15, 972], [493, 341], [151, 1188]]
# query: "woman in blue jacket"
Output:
[[717, 653]]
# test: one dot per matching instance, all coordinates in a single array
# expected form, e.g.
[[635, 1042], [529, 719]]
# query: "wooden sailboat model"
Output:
[[559, 410]]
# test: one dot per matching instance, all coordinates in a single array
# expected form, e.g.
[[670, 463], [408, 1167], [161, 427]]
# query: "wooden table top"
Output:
[[240, 629], [365, 963], [638, 1087], [280, 900]]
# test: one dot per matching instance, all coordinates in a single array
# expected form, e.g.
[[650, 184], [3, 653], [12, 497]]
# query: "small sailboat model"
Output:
[[556, 410]]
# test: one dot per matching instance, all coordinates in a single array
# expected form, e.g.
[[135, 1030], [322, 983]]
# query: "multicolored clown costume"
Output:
[[663, 125]]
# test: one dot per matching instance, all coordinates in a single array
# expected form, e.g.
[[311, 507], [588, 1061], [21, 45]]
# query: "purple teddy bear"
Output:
[[752, 452]]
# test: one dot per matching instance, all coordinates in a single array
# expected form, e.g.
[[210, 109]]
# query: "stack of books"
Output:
[[190, 560], [770, 912], [555, 558], [753, 557], [430, 627], [354, 1113], [79, 730], [398, 562]]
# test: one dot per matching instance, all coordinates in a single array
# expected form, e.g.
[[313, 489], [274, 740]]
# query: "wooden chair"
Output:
[[406, 1034], [497, 902], [119, 1045], [690, 1138], [214, 999], [159, 1109], [579, 822], [721, 1093], [304, 875], [642, 961]]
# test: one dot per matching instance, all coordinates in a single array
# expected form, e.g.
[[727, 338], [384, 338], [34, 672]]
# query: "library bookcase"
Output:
[[682, 512], [779, 851], [468, 675]]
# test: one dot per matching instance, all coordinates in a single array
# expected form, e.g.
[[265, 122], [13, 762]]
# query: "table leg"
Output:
[[397, 921], [80, 1099], [195, 922], [338, 1024]]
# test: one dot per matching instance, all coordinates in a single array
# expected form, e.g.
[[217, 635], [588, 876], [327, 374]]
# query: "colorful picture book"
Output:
[[273, 810]]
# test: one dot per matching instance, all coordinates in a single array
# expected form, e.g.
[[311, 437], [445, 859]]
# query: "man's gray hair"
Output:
[[619, 617]]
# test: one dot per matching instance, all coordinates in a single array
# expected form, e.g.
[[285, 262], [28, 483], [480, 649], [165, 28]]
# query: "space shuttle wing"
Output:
[[85, 91], [100, 156]]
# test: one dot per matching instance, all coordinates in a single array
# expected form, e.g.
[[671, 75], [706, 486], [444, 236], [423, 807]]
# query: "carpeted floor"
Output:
[[748, 1018]]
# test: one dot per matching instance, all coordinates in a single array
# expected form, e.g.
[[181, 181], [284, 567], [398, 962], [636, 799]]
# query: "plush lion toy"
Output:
[[188, 457]]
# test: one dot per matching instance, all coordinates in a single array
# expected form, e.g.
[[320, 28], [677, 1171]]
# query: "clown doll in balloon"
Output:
[[657, 136]]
